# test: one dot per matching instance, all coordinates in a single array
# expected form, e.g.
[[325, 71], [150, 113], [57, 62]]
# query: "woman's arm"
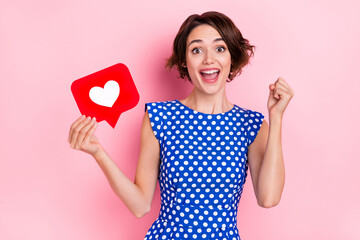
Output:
[[266, 164], [265, 156], [137, 195]]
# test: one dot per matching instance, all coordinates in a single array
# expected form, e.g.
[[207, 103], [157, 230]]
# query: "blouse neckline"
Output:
[[223, 113]]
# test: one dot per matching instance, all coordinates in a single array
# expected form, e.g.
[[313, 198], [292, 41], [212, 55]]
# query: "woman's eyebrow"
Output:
[[194, 41], [199, 40], [218, 39]]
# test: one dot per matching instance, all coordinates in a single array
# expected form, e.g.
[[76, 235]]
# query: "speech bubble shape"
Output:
[[106, 94]]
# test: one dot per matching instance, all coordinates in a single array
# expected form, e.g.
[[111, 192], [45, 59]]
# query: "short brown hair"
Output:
[[239, 47]]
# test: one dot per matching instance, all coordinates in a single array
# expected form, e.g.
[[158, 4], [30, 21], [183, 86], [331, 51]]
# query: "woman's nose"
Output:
[[208, 58]]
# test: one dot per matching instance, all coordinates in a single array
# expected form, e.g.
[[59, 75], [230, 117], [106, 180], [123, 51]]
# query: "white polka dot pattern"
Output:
[[202, 171]]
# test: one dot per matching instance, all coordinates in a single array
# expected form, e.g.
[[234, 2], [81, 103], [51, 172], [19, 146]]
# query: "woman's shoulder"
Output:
[[161, 104], [247, 111]]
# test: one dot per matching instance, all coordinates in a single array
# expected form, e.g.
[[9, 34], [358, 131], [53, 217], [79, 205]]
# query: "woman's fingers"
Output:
[[281, 88], [280, 82], [283, 82], [272, 86], [89, 133], [83, 132], [279, 96], [280, 92], [77, 121], [76, 130], [274, 90]]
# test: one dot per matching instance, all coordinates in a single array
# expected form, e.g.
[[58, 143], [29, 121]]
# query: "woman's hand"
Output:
[[81, 135], [279, 97]]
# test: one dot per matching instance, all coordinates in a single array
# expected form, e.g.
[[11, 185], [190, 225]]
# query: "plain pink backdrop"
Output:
[[50, 191]]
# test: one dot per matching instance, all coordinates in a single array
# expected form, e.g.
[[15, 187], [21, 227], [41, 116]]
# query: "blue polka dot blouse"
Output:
[[202, 171]]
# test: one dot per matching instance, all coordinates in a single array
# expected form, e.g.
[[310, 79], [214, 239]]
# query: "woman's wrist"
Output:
[[275, 118], [99, 153]]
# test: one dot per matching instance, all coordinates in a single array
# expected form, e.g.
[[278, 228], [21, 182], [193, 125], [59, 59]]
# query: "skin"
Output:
[[265, 157]]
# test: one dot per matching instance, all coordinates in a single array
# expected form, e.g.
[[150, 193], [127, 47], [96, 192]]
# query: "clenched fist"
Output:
[[279, 97]]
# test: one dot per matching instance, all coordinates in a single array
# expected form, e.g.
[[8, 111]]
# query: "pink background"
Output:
[[49, 191]]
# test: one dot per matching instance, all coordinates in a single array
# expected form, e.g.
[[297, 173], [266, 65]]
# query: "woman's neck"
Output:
[[205, 103]]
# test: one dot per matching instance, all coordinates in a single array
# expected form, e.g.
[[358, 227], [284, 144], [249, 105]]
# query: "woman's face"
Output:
[[208, 59]]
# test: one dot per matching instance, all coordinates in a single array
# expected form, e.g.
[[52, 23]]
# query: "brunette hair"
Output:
[[239, 47]]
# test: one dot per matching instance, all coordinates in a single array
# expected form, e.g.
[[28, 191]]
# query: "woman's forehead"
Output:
[[203, 33]]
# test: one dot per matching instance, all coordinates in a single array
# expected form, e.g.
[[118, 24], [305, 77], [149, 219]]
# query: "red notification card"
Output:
[[106, 94]]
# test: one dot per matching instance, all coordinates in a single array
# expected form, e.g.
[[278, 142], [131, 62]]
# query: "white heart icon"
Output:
[[105, 96]]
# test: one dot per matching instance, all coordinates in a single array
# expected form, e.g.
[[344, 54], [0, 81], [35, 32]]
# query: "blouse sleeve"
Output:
[[155, 111], [254, 122]]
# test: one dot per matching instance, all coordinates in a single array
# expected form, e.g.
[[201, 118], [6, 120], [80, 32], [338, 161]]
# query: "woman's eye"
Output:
[[220, 49], [196, 50]]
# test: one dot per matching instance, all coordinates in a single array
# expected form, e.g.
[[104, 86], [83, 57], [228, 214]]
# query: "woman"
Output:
[[200, 147]]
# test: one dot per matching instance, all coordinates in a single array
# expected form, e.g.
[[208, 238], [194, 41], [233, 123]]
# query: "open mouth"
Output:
[[210, 75]]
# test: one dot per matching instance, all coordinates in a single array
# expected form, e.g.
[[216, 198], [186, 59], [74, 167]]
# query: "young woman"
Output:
[[200, 147]]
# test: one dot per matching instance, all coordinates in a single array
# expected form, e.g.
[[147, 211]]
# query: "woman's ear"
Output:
[[183, 65]]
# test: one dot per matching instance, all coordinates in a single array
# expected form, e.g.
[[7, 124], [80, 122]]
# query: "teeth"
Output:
[[209, 71]]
